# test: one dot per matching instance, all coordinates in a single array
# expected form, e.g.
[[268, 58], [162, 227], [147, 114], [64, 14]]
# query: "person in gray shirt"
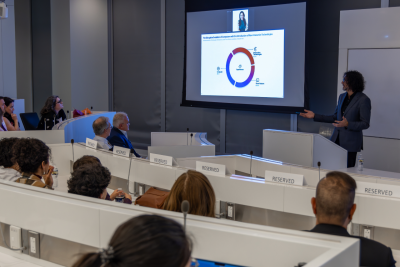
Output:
[[8, 170], [102, 129]]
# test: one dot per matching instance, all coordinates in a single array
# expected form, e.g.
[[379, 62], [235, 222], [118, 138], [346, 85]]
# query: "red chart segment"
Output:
[[228, 62]]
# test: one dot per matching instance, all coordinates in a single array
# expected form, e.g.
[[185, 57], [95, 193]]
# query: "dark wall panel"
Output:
[[41, 53], [137, 66], [178, 118], [393, 3]]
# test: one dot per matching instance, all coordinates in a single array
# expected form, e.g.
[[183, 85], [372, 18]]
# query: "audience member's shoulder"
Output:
[[373, 251]]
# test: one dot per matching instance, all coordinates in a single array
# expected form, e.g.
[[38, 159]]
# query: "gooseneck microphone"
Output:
[[185, 206], [72, 143], [319, 170], [187, 136], [68, 117], [191, 138], [251, 161]]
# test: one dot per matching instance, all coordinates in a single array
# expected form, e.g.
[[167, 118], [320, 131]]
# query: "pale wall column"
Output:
[[89, 54], [8, 71]]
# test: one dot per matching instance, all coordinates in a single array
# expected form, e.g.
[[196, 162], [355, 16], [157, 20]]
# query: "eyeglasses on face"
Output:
[[59, 101]]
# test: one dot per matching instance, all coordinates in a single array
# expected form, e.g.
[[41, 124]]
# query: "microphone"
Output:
[[187, 136], [91, 108], [68, 114], [319, 170], [185, 206], [191, 138], [72, 143], [251, 160]]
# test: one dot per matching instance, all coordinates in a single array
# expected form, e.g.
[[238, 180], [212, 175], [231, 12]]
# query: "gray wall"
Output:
[[137, 66], [23, 48], [8, 80]]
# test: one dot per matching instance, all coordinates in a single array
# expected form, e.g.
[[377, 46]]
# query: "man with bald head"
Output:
[[102, 129], [334, 208]]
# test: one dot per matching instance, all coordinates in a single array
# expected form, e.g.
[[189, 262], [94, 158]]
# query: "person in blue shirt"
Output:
[[242, 22], [119, 132]]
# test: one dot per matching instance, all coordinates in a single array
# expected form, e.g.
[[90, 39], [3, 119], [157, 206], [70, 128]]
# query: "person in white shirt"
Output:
[[102, 129], [9, 170]]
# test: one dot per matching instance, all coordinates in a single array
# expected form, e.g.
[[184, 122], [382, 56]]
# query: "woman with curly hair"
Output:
[[52, 113], [351, 117], [194, 187], [10, 170], [33, 159], [91, 179], [143, 241]]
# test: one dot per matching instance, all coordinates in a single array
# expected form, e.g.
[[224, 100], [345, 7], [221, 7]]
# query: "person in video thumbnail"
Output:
[[242, 22]]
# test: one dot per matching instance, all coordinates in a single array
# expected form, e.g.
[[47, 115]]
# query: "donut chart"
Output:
[[228, 62]]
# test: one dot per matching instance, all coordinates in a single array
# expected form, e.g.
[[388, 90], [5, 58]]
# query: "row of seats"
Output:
[[27, 161]]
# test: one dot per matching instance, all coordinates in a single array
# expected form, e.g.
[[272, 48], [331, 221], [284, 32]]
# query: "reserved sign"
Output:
[[284, 178], [91, 143], [161, 159], [121, 151], [211, 168], [383, 190]]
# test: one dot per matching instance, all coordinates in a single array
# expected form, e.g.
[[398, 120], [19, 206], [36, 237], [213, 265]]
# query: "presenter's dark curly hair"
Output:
[[89, 180], [6, 145], [29, 153], [355, 80]]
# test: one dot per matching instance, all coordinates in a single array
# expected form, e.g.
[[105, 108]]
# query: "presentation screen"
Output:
[[250, 58]]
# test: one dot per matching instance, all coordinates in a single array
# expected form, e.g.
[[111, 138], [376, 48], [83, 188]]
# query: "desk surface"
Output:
[[382, 174]]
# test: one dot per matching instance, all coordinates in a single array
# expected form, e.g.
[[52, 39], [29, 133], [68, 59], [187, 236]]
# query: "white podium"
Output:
[[181, 145], [304, 149]]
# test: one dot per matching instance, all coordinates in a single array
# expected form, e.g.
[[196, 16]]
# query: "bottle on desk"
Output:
[[360, 162], [54, 174], [120, 197]]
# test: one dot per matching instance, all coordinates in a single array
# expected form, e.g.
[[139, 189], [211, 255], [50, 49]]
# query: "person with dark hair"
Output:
[[334, 208], [3, 127], [52, 113], [194, 187], [143, 241], [9, 170], [242, 24], [351, 117], [93, 162], [11, 119], [91, 180], [33, 159]]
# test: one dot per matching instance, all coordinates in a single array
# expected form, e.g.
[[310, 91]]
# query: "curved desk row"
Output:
[[77, 128], [253, 192]]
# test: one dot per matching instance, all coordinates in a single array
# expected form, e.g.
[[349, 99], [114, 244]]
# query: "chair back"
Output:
[[30, 120]]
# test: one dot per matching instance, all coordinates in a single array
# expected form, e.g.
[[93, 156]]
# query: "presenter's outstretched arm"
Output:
[[308, 114]]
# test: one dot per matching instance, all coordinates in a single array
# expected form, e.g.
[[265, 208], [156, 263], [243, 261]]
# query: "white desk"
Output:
[[370, 172]]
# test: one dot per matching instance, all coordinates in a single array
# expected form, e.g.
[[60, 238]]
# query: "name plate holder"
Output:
[[161, 159], [284, 178], [121, 151], [211, 168], [91, 143], [381, 190]]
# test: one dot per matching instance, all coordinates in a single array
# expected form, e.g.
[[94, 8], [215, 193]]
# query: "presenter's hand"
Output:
[[308, 114], [342, 123]]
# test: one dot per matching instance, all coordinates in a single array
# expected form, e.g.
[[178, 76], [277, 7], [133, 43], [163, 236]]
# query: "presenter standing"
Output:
[[351, 117], [243, 27]]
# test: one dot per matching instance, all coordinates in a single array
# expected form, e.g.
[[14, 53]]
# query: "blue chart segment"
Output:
[[228, 62]]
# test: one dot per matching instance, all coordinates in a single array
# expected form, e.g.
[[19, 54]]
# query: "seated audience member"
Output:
[[334, 208], [119, 135], [88, 160], [11, 118], [92, 180], [3, 127], [33, 159], [102, 129], [194, 187], [143, 241], [9, 172], [52, 113]]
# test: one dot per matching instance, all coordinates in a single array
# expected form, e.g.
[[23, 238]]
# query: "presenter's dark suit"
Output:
[[117, 138], [372, 253], [358, 114]]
